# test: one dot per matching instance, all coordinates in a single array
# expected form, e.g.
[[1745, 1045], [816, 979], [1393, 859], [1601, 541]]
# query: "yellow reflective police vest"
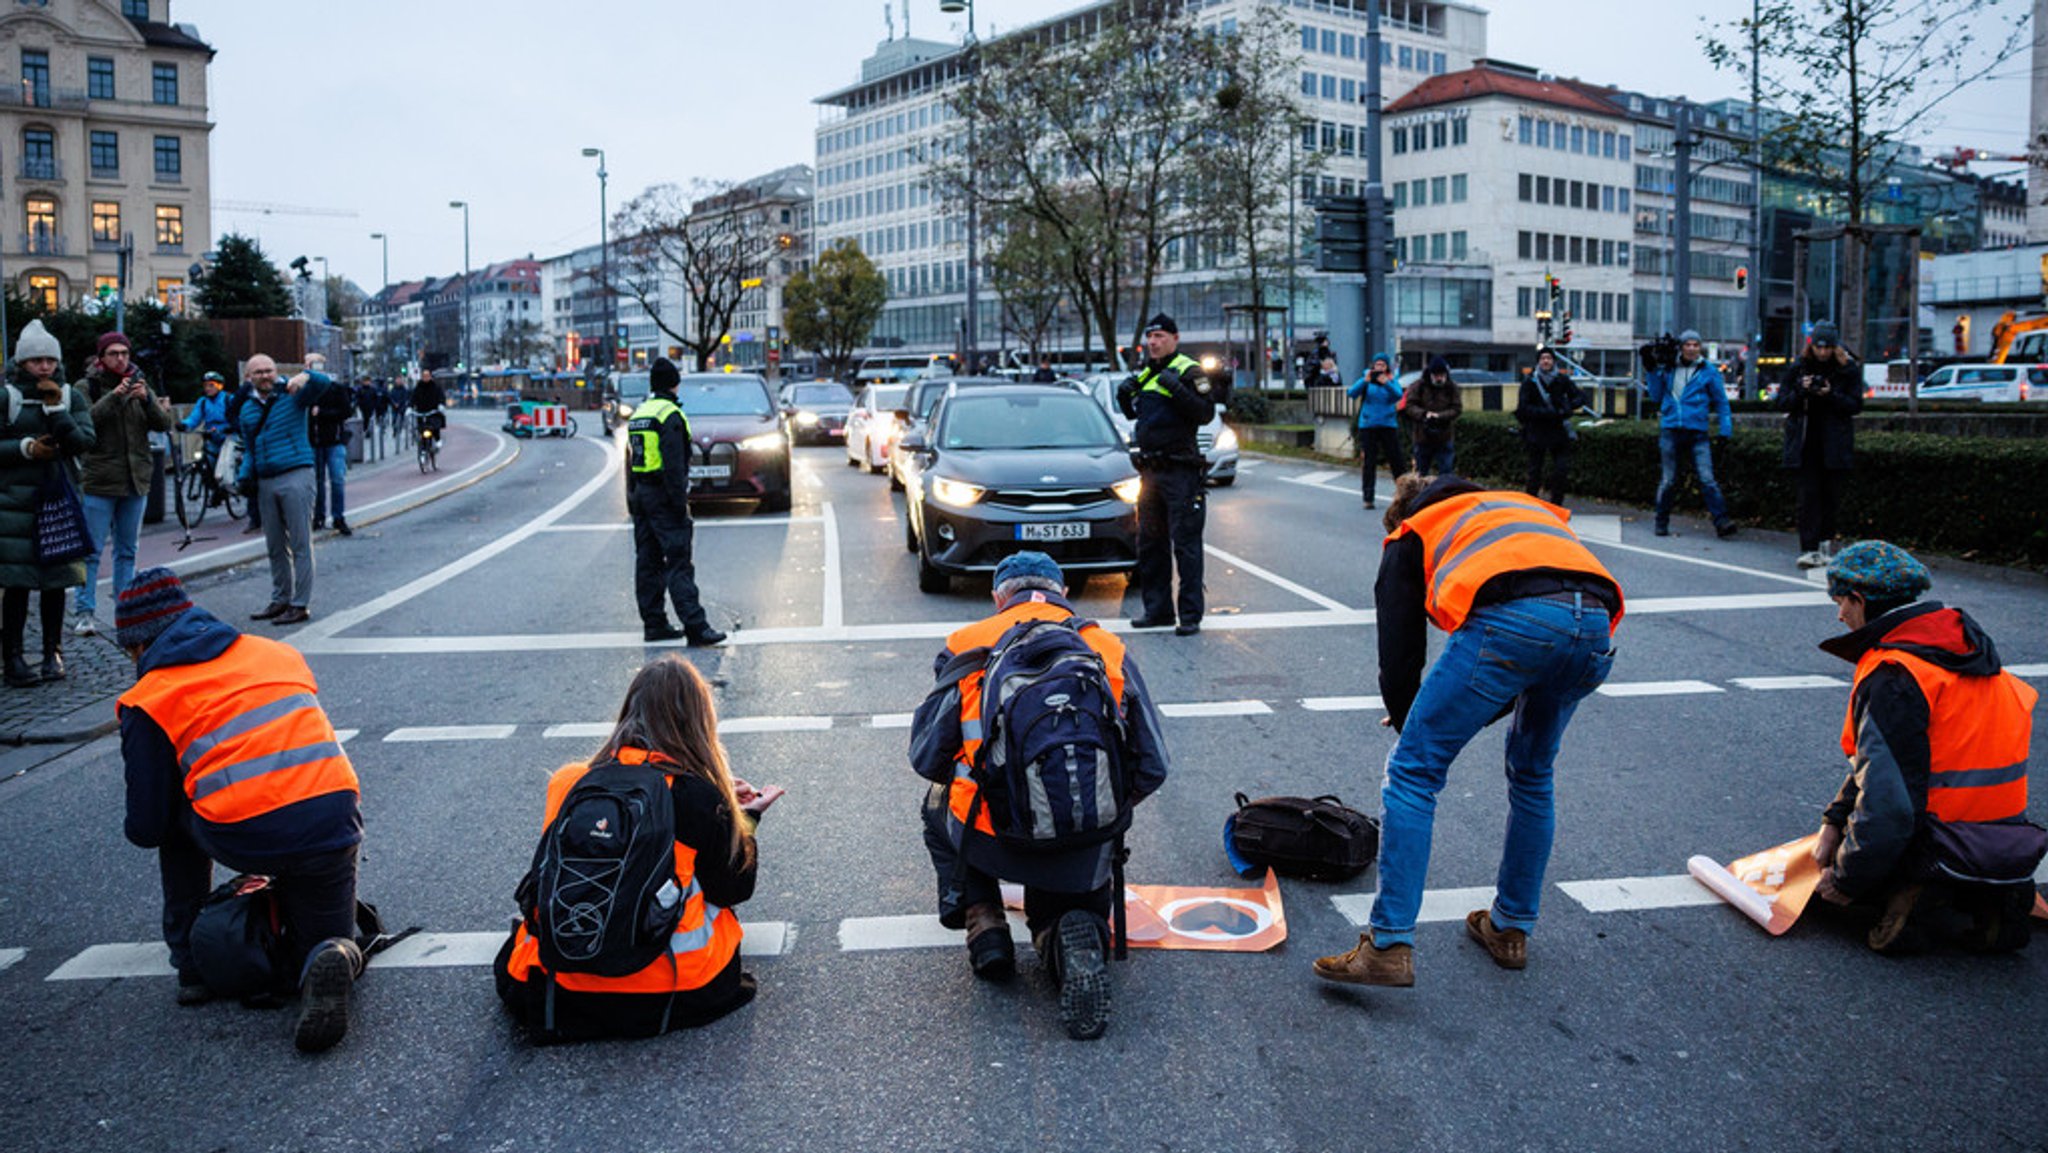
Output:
[[1148, 380], [643, 433]]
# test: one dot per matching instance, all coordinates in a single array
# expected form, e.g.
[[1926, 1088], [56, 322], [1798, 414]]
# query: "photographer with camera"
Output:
[[1820, 395], [1434, 404], [125, 410], [1689, 394]]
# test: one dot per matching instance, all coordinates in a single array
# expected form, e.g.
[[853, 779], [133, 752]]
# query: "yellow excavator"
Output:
[[2022, 340]]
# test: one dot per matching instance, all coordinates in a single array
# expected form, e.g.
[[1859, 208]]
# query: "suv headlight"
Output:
[[807, 418], [624, 410], [956, 493], [765, 442], [1226, 441], [1127, 490]]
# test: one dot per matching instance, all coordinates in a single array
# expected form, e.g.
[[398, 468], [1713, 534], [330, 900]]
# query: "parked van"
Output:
[[903, 368], [1987, 382]]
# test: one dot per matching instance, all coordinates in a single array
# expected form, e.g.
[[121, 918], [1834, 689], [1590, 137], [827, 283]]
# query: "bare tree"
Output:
[[1025, 272], [516, 343], [710, 242]]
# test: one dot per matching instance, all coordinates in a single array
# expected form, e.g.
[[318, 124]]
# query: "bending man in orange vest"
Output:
[[1068, 895], [1931, 823], [230, 758], [1529, 613]]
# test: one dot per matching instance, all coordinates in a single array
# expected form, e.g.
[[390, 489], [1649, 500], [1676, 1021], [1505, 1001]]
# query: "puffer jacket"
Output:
[[1379, 401], [119, 462], [282, 444], [21, 479], [1690, 397], [1827, 418]]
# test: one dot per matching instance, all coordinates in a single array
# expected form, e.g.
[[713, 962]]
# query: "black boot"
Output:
[[53, 664], [19, 674]]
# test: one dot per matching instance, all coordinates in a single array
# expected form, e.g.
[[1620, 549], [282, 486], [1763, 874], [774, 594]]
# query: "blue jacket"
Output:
[[283, 444], [1377, 410], [156, 782], [1703, 395], [209, 413]]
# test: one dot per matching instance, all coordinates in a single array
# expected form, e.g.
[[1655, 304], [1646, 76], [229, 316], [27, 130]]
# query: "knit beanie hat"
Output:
[[1825, 332], [110, 339], [148, 606], [1438, 366], [663, 377], [1379, 357], [1690, 334], [35, 341], [1029, 564], [1884, 575]]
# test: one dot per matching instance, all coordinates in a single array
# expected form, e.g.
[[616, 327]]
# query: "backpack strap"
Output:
[[961, 664]]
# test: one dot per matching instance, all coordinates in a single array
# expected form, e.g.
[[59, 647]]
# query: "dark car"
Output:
[[740, 451], [1003, 468], [917, 411], [815, 411]]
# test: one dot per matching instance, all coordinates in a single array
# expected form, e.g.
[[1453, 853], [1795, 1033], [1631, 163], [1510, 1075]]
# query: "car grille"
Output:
[[724, 452], [1046, 499], [1094, 550], [1205, 441]]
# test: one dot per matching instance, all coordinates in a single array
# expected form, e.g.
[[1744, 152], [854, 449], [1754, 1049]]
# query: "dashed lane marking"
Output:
[[1772, 684], [344, 736], [1598, 528], [700, 523], [452, 733], [1657, 688], [834, 611], [1625, 894], [1437, 905], [890, 720], [1314, 479], [1217, 709], [2027, 670], [1342, 704], [874, 934], [9, 957], [141, 959], [775, 724], [582, 731], [1275, 579]]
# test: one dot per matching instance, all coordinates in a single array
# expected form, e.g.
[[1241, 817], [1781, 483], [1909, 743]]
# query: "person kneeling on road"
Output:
[[230, 758], [570, 978], [1530, 614], [1929, 832], [991, 814]]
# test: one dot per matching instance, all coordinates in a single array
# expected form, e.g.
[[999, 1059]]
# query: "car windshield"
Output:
[[804, 394], [724, 396], [887, 399], [632, 386], [1052, 419]]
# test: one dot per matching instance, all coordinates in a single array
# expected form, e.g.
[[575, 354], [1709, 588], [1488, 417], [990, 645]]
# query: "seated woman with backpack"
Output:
[[656, 829]]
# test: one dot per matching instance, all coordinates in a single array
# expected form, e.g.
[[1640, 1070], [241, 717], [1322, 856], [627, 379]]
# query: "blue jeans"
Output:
[[330, 467], [1672, 445], [1537, 658], [1435, 461], [122, 517]]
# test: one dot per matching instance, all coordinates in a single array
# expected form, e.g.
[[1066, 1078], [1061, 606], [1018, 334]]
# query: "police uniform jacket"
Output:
[[1170, 405], [672, 435]]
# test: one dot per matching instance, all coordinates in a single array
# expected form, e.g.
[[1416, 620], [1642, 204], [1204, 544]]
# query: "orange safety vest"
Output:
[[1978, 730], [248, 728], [1471, 538], [985, 634], [703, 944]]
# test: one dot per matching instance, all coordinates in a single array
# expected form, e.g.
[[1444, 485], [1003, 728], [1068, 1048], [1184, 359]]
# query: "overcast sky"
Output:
[[389, 109]]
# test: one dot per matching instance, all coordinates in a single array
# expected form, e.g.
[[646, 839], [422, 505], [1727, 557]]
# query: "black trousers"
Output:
[[961, 886], [316, 892], [662, 562], [1172, 507], [1375, 444], [14, 619], [1560, 453], [1820, 497]]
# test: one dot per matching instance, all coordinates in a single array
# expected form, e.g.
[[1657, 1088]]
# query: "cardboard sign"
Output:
[[1215, 920], [1770, 888]]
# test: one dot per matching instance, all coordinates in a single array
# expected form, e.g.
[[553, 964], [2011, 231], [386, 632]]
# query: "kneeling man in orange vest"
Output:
[[230, 758]]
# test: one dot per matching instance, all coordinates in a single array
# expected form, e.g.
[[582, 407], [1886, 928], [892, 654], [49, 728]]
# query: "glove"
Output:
[[1830, 842], [1827, 891], [1127, 392]]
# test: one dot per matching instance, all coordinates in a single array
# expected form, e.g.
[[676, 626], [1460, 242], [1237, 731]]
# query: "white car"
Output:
[[1987, 382], [1217, 440], [871, 427]]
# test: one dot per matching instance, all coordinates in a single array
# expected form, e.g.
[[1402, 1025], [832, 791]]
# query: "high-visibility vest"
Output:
[[643, 433], [1471, 538], [1148, 379], [985, 634], [249, 731], [1978, 730], [703, 944]]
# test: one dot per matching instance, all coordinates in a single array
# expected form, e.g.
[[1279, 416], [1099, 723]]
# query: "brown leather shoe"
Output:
[[1508, 947], [990, 951], [1892, 933], [1368, 964]]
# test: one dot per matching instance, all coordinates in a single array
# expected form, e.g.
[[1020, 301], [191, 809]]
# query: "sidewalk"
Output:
[[81, 707]]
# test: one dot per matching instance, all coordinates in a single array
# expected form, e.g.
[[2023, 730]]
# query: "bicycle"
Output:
[[430, 446], [199, 490]]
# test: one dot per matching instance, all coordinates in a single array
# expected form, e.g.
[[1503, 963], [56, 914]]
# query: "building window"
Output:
[[1624, 142], [1308, 84], [1525, 188], [1458, 189], [1607, 198], [1543, 190], [1437, 249], [1439, 134], [1525, 130], [170, 226], [1525, 300], [35, 77], [105, 287], [106, 155], [1525, 246], [1543, 246], [39, 223], [1578, 252], [1439, 190], [1418, 191], [106, 222], [1607, 145], [1329, 84], [1308, 39], [163, 83], [38, 154], [1578, 194], [170, 164], [1543, 134], [1400, 194], [1347, 91], [42, 286], [1458, 130], [1347, 141], [99, 78], [1400, 141], [1458, 248], [1578, 139], [135, 9]]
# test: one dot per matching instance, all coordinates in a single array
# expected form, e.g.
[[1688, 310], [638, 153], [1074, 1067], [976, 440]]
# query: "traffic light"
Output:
[[1543, 329], [1564, 334], [1741, 278], [1340, 234], [1556, 286]]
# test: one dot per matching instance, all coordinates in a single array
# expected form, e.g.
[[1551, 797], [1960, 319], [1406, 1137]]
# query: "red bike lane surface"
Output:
[[375, 491]]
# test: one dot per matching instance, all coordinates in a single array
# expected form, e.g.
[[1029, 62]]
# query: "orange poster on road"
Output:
[[1213, 920], [1770, 888]]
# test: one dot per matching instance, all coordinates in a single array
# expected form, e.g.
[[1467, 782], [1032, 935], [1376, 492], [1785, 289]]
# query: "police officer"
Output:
[[1170, 400], [658, 497]]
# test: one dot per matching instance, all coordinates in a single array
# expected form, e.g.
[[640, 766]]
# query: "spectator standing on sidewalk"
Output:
[[1379, 422], [281, 460], [1820, 395], [48, 424], [370, 404], [1544, 409], [329, 434], [1433, 406], [125, 410], [1691, 400], [244, 479], [399, 400]]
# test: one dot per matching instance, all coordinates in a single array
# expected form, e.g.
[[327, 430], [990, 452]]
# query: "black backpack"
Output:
[[1051, 766], [1318, 838], [601, 897]]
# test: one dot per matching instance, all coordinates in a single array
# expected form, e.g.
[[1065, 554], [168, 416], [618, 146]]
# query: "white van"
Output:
[[1987, 382]]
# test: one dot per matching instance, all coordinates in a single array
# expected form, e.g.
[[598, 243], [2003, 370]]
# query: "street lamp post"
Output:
[[384, 306], [604, 244], [464, 206], [969, 336]]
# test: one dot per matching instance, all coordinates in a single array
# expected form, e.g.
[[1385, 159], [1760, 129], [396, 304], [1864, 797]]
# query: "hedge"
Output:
[[1971, 497]]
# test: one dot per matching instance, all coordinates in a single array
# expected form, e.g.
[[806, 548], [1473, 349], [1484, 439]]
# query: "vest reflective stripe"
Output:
[[985, 633], [1469, 539], [248, 730], [704, 942], [1978, 733], [1148, 380], [644, 430]]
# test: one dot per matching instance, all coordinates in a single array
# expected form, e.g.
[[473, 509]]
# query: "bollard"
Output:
[[153, 505]]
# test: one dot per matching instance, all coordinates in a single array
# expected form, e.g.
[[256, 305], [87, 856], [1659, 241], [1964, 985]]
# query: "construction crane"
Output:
[[1957, 159], [277, 209]]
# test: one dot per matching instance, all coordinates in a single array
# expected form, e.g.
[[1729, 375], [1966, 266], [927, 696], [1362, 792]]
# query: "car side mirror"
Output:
[[913, 442]]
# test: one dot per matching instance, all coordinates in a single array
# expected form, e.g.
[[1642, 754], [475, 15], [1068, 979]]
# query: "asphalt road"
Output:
[[476, 644]]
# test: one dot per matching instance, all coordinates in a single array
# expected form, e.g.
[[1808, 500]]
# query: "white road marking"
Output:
[[344, 736], [1314, 479], [1626, 894], [1771, 684], [866, 934], [1700, 561], [1437, 905], [835, 596], [10, 957], [1248, 464], [1342, 704], [2041, 874], [1736, 602], [774, 725], [142, 959], [1657, 688], [766, 938], [1598, 528], [1216, 709], [890, 721], [451, 733], [699, 522], [1275, 579], [441, 951], [2027, 670], [578, 730]]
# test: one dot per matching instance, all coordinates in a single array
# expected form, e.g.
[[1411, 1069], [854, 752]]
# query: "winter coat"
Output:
[[1545, 407], [21, 480], [330, 417], [119, 462], [1687, 396], [1378, 401], [1820, 428], [1425, 396], [209, 414], [282, 445]]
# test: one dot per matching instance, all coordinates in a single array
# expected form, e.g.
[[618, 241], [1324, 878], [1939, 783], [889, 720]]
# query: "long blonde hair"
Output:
[[669, 710]]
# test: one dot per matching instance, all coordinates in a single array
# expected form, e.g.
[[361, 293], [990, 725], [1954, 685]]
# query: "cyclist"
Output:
[[428, 400], [209, 417]]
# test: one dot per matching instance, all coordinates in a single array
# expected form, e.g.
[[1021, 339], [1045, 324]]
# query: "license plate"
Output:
[[710, 472], [1075, 531]]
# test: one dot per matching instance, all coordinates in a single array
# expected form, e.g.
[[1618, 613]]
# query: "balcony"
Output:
[[41, 243], [43, 168], [109, 172], [18, 96]]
